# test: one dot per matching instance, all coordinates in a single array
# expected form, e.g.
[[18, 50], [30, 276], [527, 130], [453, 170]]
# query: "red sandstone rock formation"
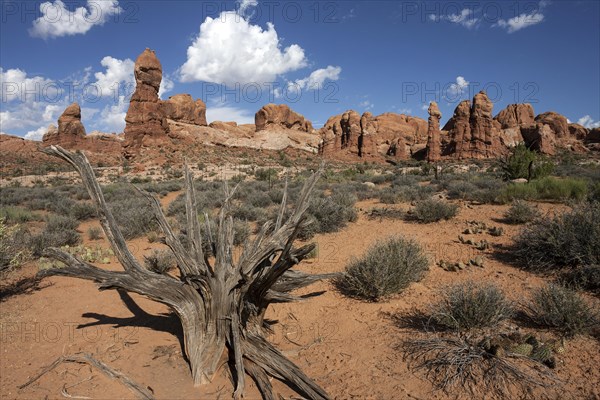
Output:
[[434, 153], [145, 116], [349, 135], [558, 123], [70, 129], [515, 115], [278, 116], [183, 108]]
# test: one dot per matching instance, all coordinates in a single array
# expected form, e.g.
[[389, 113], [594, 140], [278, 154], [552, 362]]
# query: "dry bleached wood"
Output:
[[85, 358], [221, 306]]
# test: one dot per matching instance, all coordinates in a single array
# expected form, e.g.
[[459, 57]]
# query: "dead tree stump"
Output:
[[222, 304]]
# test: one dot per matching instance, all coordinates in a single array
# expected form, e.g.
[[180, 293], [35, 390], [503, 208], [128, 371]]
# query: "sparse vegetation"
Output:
[[585, 278], [525, 163], [554, 306], [59, 231], [433, 210], [566, 240], [521, 212], [460, 364], [386, 268], [94, 233], [160, 261], [471, 305]]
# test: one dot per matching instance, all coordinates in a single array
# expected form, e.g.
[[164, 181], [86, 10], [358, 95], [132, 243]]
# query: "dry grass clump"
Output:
[[557, 307], [160, 261], [433, 210], [471, 305], [521, 212], [566, 240], [387, 268], [459, 364]]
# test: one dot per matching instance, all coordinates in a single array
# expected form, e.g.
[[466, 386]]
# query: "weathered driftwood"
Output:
[[221, 305], [85, 358]]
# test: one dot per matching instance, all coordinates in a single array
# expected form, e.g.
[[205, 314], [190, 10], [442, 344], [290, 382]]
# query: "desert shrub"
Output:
[[247, 212], [13, 246], [557, 307], [549, 188], [14, 215], [460, 189], [332, 213], [521, 212], [265, 174], [59, 231], [386, 268], [585, 278], [259, 199], [471, 305], [432, 210], [568, 239], [83, 211], [389, 196], [94, 233], [160, 261], [161, 187], [516, 165], [133, 215]]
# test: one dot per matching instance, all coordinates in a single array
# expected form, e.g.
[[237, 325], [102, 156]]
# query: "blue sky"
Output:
[[321, 58]]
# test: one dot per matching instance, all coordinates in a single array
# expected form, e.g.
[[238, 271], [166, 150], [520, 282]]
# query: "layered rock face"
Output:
[[350, 135], [147, 120], [558, 123], [472, 130], [183, 108], [434, 151], [280, 116], [515, 115], [146, 115], [70, 129]]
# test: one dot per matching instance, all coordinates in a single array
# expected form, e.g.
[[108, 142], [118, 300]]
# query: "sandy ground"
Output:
[[346, 345]]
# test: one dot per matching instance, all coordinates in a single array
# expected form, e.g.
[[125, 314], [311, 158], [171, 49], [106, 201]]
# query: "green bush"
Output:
[[471, 305], [549, 188], [433, 210], [554, 306], [387, 267], [13, 215], [565, 240], [521, 212], [516, 165]]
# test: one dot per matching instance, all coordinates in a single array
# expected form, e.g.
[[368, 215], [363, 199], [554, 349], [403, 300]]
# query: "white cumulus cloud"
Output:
[[16, 85], [37, 134], [229, 113], [458, 88], [465, 18], [230, 50], [316, 79], [117, 72], [523, 20], [57, 20], [588, 122], [112, 117]]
